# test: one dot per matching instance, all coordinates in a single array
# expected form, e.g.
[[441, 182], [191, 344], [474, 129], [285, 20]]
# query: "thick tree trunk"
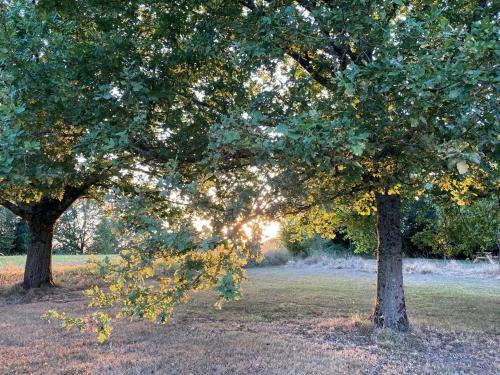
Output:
[[38, 270], [390, 308], [41, 218]]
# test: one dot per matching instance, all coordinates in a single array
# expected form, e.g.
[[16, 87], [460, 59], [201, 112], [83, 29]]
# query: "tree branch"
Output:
[[305, 62], [12, 207]]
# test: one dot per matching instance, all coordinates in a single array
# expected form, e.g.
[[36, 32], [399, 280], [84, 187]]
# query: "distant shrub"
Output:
[[341, 230], [337, 248], [277, 257], [294, 238], [84, 229], [22, 237], [428, 229], [360, 230], [75, 229]]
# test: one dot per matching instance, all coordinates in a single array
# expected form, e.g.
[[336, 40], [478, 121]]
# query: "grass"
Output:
[[69, 270], [59, 260], [291, 320]]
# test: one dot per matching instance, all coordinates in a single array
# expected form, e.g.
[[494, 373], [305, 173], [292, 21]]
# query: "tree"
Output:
[[105, 239], [90, 92], [77, 227], [7, 231], [364, 103]]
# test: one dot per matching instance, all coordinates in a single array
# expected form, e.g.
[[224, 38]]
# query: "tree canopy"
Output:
[[99, 95], [350, 100]]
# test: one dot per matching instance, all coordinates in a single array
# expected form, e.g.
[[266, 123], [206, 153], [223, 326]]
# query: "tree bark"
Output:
[[390, 308], [38, 269]]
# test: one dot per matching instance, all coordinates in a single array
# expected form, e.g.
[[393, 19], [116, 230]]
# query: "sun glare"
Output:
[[270, 230]]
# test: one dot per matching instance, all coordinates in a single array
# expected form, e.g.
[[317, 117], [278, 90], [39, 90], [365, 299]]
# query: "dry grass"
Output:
[[68, 278], [410, 265], [290, 321]]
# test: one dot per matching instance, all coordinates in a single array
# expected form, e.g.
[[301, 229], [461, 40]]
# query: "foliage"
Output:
[[177, 259], [99, 323], [293, 237], [463, 230], [428, 229], [361, 230], [110, 95], [416, 214], [353, 98], [158, 244], [99, 95], [8, 222], [14, 233], [76, 230], [105, 239], [90, 90], [276, 257], [85, 229], [302, 233]]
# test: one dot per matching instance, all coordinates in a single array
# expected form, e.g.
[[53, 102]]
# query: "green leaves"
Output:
[[228, 287], [357, 142]]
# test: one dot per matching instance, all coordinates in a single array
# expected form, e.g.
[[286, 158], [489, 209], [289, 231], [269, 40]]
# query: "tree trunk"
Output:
[[390, 309], [38, 270], [41, 218]]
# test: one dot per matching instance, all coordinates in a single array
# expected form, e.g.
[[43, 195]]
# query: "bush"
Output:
[[462, 231], [276, 257], [294, 238], [361, 230], [22, 237], [428, 230], [84, 229]]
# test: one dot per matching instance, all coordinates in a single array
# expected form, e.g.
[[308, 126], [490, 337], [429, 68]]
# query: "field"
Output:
[[59, 260], [299, 319]]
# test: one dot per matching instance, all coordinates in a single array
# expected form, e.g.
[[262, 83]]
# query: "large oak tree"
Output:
[[90, 93], [361, 103]]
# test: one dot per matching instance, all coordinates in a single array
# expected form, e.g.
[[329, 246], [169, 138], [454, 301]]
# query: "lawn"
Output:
[[291, 320], [59, 260]]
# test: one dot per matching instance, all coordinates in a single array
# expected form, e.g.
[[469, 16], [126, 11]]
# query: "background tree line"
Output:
[[82, 229]]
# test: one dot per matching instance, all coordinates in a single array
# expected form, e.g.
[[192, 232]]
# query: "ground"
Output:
[[298, 319]]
